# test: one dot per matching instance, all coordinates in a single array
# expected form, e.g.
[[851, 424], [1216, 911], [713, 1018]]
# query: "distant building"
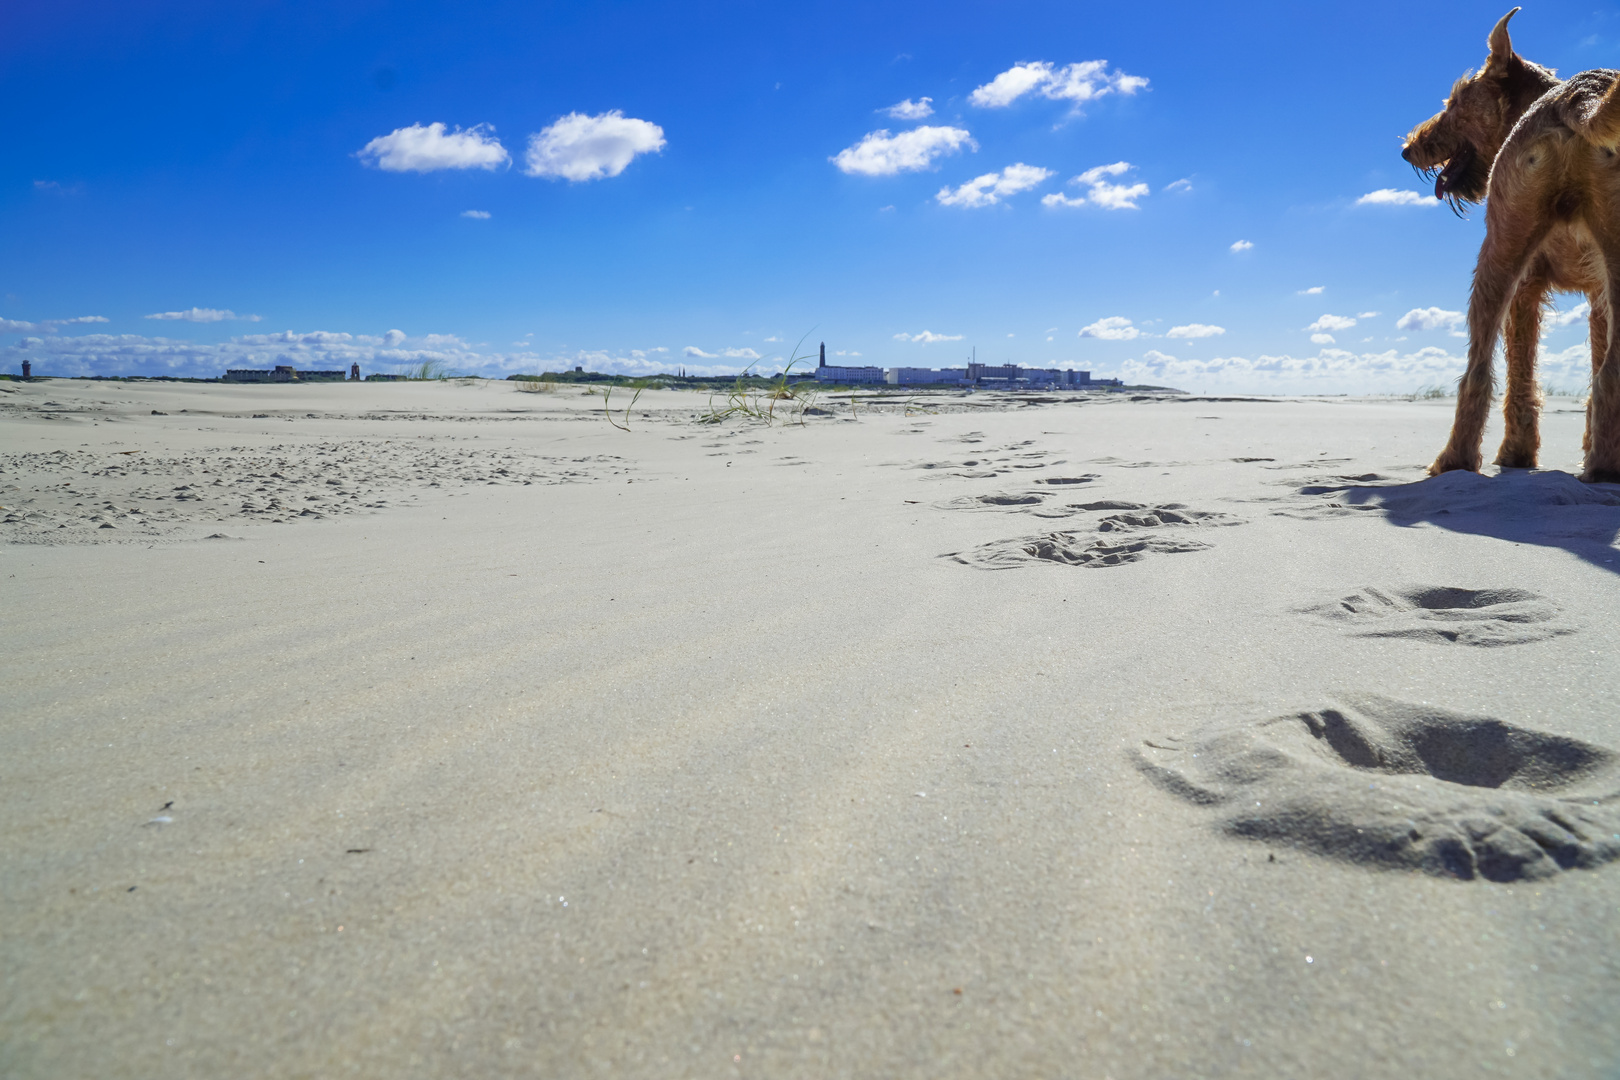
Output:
[[354, 372], [993, 376], [986, 376], [28, 370], [916, 376], [281, 373], [833, 373]]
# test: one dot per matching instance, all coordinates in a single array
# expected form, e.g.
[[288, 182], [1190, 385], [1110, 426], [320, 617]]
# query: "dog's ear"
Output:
[[1502, 45]]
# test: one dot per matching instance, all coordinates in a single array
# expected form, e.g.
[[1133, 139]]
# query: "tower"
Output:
[[823, 355]]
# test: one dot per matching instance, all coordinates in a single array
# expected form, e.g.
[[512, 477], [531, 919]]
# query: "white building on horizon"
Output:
[[989, 376]]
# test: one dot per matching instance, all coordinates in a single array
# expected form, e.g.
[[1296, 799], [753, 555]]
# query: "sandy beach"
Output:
[[438, 729]]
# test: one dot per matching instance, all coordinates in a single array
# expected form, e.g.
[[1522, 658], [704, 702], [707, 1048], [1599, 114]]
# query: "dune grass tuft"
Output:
[[426, 370], [607, 400], [776, 400]]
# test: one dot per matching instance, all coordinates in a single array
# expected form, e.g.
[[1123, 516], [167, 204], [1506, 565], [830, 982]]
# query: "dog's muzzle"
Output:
[[1459, 163]]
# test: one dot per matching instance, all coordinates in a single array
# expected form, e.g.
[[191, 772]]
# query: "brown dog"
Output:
[[1547, 153]]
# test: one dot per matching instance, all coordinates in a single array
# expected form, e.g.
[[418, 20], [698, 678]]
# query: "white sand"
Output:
[[539, 748]]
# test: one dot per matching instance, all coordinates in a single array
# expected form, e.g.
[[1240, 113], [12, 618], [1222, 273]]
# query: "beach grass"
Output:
[[427, 370], [778, 399]]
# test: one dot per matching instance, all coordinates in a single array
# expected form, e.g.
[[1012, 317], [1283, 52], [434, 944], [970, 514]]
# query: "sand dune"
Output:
[[439, 729]]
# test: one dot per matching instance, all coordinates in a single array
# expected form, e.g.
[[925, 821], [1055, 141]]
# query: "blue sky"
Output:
[[635, 187]]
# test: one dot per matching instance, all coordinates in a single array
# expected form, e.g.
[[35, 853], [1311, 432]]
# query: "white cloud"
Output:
[[1334, 371], [991, 188], [1102, 193], [1314, 290], [580, 147], [431, 148], [45, 326], [1331, 322], [882, 154], [1195, 330], [911, 110], [477, 215], [1079, 83], [1242, 245], [1322, 339], [1394, 197], [695, 353], [636, 362], [132, 354], [1560, 319], [205, 314], [1368, 314], [1117, 196], [1112, 328], [773, 337], [1179, 185], [927, 337], [850, 352], [1011, 85], [1430, 318]]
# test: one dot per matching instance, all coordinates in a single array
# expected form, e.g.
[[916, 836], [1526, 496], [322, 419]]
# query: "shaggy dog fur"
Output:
[[1545, 155]]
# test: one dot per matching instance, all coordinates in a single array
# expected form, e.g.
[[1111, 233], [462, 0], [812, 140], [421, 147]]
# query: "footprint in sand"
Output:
[[995, 500], [1332, 496], [1393, 785], [1484, 617], [1031, 502], [1117, 539]]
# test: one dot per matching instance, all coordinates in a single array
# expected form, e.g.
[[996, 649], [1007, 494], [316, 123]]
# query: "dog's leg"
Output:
[[1511, 239], [1603, 408], [1521, 405], [1597, 330]]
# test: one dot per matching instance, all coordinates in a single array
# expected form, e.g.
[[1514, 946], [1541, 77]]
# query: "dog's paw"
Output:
[[1452, 460], [1600, 474], [1516, 459]]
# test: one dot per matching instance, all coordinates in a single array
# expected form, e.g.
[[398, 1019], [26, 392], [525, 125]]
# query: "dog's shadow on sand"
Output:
[[1525, 506]]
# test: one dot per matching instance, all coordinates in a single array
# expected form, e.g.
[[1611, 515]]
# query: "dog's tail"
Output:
[[1595, 117]]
